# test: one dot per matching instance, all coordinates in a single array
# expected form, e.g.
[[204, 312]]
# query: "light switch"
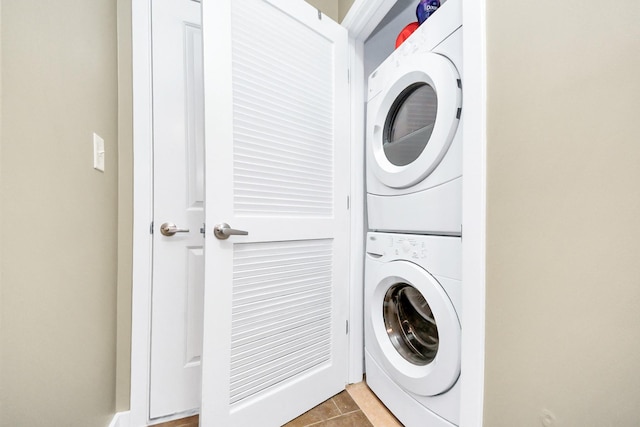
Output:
[[98, 152]]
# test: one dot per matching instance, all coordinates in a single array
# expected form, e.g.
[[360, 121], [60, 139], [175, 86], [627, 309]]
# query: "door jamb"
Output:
[[474, 189], [142, 211], [357, 214]]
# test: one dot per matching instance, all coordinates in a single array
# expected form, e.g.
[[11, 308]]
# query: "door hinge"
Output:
[[319, 14], [346, 327], [348, 203], [349, 75], [151, 228], [203, 229]]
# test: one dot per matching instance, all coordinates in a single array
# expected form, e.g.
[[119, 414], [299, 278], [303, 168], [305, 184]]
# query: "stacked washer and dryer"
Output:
[[414, 208]]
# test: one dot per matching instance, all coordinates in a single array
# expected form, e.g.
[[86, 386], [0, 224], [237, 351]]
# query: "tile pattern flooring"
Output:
[[357, 406], [339, 411]]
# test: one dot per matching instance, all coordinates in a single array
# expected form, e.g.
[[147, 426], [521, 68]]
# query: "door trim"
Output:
[[142, 212], [474, 165], [357, 212]]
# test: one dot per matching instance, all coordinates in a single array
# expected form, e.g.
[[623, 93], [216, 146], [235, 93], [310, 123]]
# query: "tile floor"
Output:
[[339, 411], [357, 406]]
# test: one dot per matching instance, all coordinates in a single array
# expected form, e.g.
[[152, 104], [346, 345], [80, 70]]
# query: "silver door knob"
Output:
[[222, 231], [169, 229]]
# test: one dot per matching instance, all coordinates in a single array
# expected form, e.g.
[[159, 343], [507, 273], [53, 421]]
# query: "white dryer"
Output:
[[414, 137], [412, 326]]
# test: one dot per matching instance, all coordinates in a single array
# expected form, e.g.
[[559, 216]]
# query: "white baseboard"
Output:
[[121, 419]]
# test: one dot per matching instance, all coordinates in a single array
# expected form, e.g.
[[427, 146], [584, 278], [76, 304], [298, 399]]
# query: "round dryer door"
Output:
[[416, 120], [417, 329]]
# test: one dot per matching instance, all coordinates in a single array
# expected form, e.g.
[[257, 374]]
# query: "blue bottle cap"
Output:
[[426, 8]]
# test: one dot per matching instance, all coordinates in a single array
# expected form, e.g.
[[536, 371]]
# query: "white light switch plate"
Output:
[[98, 152]]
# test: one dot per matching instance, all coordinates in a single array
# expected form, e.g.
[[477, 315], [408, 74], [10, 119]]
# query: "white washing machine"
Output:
[[412, 326], [414, 131]]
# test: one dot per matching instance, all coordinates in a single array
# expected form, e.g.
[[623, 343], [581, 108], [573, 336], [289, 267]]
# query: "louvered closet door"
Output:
[[276, 131]]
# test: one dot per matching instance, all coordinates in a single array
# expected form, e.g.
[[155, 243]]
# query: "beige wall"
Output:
[[343, 8], [328, 7], [58, 244], [563, 240], [335, 9]]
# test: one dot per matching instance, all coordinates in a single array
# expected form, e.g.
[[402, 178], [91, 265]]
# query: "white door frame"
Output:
[[474, 186], [361, 20], [142, 211]]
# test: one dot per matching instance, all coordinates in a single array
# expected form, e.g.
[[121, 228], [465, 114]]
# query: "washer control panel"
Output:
[[410, 248], [396, 246], [440, 255]]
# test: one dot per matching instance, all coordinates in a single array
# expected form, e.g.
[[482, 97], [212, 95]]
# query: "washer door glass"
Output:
[[409, 124], [410, 324]]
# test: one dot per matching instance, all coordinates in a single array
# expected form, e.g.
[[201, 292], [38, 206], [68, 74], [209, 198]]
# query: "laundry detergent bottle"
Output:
[[426, 8]]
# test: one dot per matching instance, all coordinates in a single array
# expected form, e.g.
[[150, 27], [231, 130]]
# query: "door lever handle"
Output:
[[169, 229], [223, 230]]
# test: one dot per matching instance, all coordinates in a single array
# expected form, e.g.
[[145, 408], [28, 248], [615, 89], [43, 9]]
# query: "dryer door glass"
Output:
[[410, 324], [409, 124]]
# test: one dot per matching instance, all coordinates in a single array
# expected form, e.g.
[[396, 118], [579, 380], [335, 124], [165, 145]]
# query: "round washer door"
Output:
[[416, 119], [416, 329]]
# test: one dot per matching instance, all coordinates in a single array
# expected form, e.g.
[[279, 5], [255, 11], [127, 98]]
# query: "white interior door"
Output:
[[178, 195], [277, 150]]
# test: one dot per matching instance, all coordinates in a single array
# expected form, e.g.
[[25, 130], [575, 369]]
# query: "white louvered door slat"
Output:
[[276, 130]]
